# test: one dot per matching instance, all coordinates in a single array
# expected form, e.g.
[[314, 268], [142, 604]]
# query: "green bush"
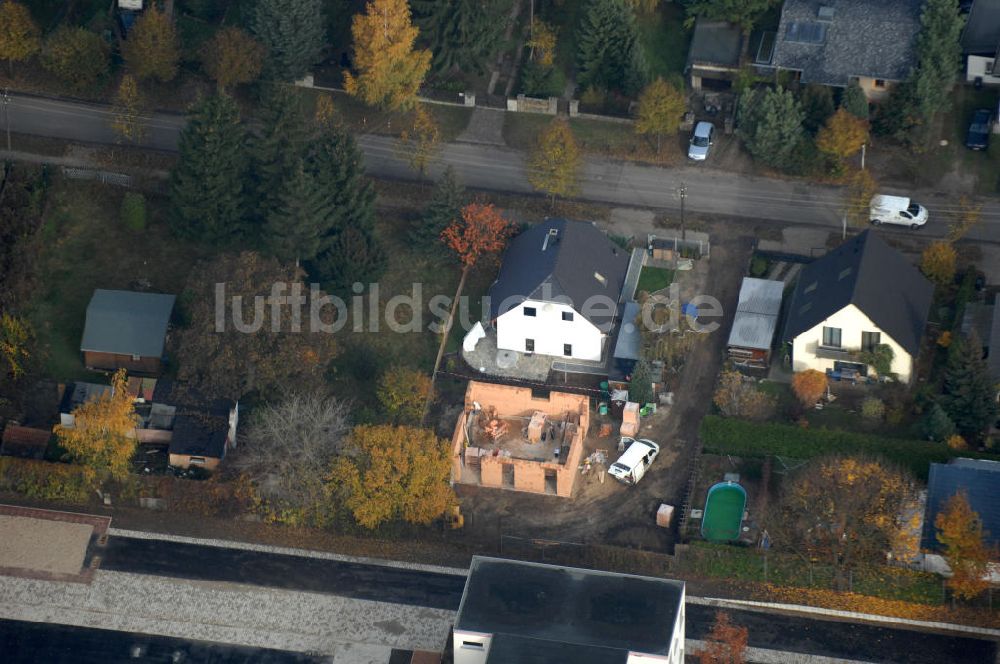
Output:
[[758, 266], [722, 435], [47, 481], [873, 409], [133, 211]]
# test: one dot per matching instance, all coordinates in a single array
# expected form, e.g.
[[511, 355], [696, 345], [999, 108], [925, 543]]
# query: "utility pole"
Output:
[[682, 192], [6, 114], [863, 146]]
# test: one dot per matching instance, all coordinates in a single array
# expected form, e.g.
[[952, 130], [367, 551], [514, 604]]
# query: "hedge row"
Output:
[[46, 480], [724, 435]]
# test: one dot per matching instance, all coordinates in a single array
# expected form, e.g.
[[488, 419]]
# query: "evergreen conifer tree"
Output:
[[334, 161], [461, 34], [445, 206], [937, 425], [278, 146], [969, 392], [354, 255], [207, 185], [609, 55], [294, 33], [770, 125], [297, 228], [853, 100]]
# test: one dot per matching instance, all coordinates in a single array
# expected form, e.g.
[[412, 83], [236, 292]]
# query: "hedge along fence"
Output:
[[724, 435], [46, 480]]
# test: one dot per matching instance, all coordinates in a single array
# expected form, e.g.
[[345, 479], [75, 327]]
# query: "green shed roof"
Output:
[[127, 323]]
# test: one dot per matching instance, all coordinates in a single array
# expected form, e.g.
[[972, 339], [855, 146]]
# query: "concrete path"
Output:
[[485, 127]]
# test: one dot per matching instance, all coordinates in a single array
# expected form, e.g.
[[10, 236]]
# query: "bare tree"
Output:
[[290, 449]]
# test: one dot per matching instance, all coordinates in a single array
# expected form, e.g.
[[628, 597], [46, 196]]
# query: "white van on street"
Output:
[[636, 459], [897, 210]]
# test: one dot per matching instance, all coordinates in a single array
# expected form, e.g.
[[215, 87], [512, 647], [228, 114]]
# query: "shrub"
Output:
[[809, 386], [133, 211], [758, 266], [47, 481], [873, 409], [722, 435]]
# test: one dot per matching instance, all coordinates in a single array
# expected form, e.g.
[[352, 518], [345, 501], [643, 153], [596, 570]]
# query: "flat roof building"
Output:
[[755, 321], [516, 612]]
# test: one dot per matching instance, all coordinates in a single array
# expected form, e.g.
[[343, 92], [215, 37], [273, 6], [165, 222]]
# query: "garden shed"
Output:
[[755, 322]]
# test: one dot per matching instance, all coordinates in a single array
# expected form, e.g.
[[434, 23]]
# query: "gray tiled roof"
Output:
[[980, 480], [127, 323], [871, 38], [564, 270], [874, 277]]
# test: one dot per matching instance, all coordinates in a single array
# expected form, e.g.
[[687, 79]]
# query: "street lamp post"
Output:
[[682, 192]]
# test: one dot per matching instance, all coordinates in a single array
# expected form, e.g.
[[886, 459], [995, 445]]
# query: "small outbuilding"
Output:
[[126, 330], [755, 323]]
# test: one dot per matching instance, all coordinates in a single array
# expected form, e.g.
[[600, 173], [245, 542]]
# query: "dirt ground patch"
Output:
[[611, 513]]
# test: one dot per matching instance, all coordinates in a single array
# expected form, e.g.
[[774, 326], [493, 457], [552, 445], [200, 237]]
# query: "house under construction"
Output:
[[514, 438]]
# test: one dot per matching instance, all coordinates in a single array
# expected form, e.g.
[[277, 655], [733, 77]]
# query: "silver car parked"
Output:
[[701, 140]]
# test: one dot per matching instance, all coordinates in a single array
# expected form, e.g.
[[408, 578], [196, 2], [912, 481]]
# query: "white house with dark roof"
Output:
[[516, 612], [559, 290], [860, 295], [832, 42]]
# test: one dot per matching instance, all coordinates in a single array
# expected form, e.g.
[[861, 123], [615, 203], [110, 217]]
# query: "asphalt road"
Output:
[[34, 643], [494, 168], [847, 640]]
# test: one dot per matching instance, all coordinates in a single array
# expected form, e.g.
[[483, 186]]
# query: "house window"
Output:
[[988, 67], [870, 340], [880, 83], [135, 358], [567, 349], [831, 337], [197, 461], [567, 316], [472, 644], [529, 345], [530, 311]]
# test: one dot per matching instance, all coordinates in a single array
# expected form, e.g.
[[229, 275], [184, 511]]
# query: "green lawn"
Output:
[[357, 116], [653, 279], [597, 137], [743, 564], [665, 40], [85, 246]]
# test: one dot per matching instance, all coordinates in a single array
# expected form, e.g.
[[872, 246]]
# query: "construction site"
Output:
[[513, 438]]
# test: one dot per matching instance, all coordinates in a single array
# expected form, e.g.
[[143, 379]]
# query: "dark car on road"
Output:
[[978, 137]]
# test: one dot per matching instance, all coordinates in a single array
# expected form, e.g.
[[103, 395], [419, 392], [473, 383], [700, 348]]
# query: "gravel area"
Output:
[[42, 545], [355, 631]]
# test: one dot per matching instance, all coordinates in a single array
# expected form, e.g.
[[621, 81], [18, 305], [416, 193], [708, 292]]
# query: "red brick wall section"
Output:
[[112, 362]]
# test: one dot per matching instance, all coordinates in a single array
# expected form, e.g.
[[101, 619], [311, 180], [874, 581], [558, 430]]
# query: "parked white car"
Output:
[[701, 140], [635, 460], [897, 210]]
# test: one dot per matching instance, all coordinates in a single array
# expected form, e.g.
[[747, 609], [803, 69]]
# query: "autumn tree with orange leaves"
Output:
[[960, 532], [725, 644], [842, 135], [393, 473], [809, 386], [102, 436], [389, 71], [480, 231]]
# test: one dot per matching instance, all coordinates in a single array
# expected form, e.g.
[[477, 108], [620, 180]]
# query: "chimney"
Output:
[[553, 235]]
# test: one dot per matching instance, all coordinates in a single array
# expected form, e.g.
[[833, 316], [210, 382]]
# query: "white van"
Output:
[[898, 210], [632, 464]]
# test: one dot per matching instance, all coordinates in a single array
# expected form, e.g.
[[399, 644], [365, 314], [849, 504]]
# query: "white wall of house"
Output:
[[979, 66], [852, 322], [675, 655], [549, 331], [470, 647]]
